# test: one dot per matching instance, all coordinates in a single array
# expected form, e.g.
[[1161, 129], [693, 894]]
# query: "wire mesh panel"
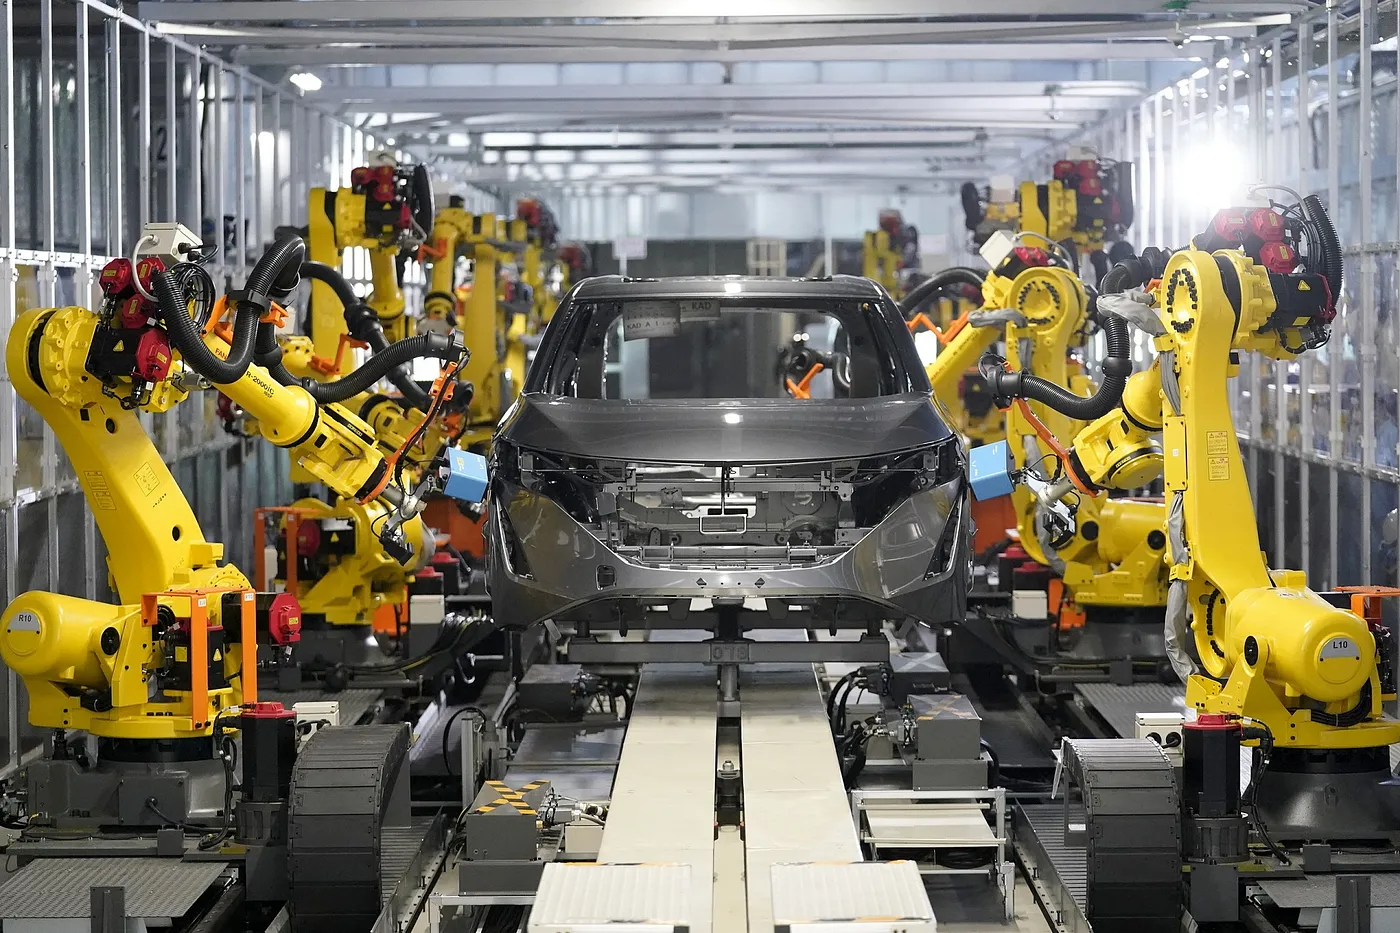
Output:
[[104, 126]]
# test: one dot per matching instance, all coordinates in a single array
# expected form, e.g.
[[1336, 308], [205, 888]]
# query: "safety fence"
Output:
[[1313, 107], [107, 124]]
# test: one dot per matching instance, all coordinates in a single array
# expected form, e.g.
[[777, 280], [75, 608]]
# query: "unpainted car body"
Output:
[[612, 510]]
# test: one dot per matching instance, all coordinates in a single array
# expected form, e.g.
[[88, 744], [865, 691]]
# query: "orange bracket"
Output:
[[436, 251], [199, 644], [441, 392], [219, 327], [945, 337], [293, 523], [1366, 600], [248, 663], [1053, 442], [803, 389], [330, 367]]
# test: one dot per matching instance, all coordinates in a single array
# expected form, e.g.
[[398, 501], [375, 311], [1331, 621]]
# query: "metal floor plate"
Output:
[[1119, 704], [795, 803], [578, 762], [58, 888], [1321, 891]]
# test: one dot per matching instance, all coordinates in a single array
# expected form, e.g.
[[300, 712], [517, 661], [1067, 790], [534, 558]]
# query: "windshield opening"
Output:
[[713, 348]]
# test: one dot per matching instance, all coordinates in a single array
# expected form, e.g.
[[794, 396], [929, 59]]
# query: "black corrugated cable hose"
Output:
[[1117, 367], [275, 273], [1323, 244], [363, 324], [957, 275], [1135, 271], [446, 347]]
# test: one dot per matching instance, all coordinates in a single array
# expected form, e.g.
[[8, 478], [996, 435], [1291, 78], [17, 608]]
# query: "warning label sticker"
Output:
[[99, 491], [146, 479], [1217, 443], [1218, 468]]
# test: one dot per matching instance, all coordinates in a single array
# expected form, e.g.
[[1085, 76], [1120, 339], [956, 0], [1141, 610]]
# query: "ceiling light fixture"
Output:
[[307, 81]]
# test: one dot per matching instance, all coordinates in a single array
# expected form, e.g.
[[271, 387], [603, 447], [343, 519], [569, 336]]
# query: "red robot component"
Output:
[[282, 617], [1277, 256], [115, 278], [1266, 224], [153, 355]]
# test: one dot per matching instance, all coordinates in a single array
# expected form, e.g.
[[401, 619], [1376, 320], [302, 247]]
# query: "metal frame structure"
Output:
[[107, 124], [986, 804], [1312, 106], [773, 120]]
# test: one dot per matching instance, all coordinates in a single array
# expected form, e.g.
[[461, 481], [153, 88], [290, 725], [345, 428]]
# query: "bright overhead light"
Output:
[[1211, 177], [732, 288], [1223, 63], [732, 417], [307, 81]]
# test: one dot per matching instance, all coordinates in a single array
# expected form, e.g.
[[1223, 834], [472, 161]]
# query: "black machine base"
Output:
[[1343, 795]]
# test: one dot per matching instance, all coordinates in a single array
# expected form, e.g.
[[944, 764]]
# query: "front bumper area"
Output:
[[901, 568]]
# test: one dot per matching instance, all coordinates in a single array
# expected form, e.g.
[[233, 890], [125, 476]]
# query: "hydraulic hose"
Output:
[[1326, 244], [363, 324], [330, 276], [439, 346], [957, 275], [1117, 367], [275, 273], [1135, 271], [973, 211]]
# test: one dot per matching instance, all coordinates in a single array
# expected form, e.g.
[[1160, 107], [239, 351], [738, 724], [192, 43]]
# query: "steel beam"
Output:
[[711, 36], [726, 138], [867, 650], [1069, 94], [1022, 112], [845, 158], [369, 11], [1035, 126], [346, 56]]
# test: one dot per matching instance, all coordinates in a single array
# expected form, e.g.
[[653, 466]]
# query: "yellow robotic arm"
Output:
[[887, 250], [161, 664], [1266, 647], [386, 208], [494, 372], [1088, 201]]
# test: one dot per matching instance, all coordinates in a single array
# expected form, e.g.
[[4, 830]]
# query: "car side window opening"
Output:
[[711, 348]]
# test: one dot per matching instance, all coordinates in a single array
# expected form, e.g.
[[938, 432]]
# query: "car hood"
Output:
[[723, 430]]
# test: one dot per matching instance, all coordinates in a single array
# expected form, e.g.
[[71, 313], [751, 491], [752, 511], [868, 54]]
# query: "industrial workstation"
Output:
[[609, 466]]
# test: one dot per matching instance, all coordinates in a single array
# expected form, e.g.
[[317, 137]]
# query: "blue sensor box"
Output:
[[467, 477], [989, 469]]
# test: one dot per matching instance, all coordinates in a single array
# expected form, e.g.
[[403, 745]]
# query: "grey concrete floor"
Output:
[[963, 904]]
